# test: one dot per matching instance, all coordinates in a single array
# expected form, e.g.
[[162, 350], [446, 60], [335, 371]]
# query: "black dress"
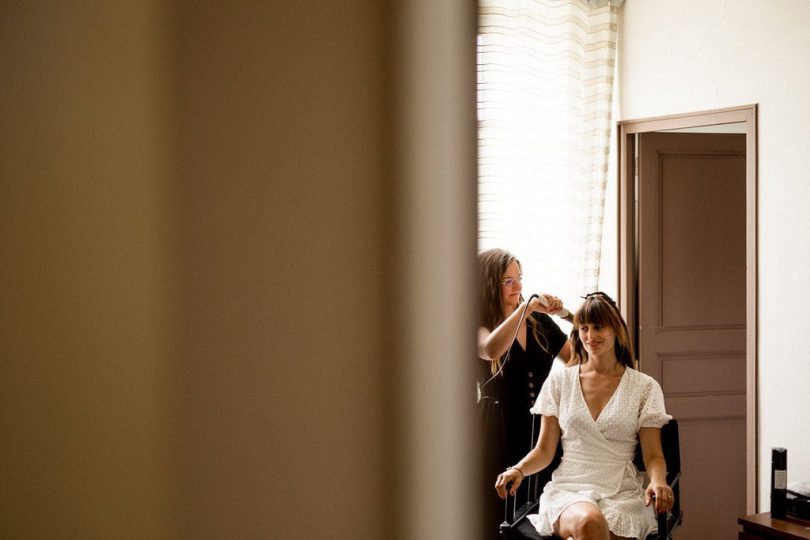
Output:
[[504, 412]]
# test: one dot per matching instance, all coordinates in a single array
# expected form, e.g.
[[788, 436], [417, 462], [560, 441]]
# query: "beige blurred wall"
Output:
[[86, 272], [237, 249]]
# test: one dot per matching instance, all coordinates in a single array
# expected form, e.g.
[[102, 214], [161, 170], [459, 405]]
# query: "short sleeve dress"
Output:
[[597, 463]]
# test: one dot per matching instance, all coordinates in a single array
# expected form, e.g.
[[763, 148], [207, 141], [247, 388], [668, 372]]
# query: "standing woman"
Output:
[[517, 341]]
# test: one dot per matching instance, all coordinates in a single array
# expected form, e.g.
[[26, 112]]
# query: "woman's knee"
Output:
[[583, 520], [592, 525]]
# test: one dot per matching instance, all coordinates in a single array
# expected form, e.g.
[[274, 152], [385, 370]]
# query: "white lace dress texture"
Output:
[[597, 463]]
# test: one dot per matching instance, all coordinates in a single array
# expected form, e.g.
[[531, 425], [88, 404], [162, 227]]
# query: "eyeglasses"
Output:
[[511, 281]]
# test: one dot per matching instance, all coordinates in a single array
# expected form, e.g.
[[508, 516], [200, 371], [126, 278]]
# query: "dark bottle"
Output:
[[778, 482]]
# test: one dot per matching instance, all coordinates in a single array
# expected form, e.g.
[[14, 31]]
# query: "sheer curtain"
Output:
[[545, 91]]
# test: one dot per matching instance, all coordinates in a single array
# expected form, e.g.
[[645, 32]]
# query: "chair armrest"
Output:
[[520, 528], [519, 513], [672, 478]]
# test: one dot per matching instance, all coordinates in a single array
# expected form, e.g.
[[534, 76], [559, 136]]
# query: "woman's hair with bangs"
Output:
[[600, 309]]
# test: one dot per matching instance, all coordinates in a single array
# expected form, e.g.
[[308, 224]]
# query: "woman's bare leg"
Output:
[[583, 521]]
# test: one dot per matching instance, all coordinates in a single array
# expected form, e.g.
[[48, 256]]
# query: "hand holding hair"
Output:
[[544, 300]]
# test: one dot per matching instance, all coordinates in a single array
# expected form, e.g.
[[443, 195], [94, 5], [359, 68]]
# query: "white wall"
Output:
[[694, 55]]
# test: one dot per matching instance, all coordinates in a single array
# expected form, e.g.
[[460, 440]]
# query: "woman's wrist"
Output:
[[518, 469], [658, 482]]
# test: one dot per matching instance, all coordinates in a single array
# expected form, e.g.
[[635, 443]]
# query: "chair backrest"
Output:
[[671, 445]]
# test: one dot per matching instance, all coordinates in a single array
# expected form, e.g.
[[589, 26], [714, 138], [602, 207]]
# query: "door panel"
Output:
[[716, 519], [692, 309]]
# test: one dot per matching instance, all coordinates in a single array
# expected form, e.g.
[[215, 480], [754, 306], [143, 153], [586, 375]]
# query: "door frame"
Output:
[[628, 242]]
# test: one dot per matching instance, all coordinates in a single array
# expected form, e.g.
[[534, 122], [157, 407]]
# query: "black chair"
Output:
[[517, 526]]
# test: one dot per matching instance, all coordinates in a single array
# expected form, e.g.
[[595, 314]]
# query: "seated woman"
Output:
[[598, 407]]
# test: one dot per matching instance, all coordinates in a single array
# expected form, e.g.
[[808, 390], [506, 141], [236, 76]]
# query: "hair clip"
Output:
[[600, 293]]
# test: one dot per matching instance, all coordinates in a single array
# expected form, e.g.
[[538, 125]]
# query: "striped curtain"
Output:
[[545, 91]]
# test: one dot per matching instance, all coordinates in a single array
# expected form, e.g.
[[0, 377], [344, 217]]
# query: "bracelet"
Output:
[[517, 469]]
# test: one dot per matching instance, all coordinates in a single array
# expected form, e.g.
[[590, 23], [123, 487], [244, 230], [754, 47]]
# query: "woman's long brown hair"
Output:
[[492, 264], [600, 309]]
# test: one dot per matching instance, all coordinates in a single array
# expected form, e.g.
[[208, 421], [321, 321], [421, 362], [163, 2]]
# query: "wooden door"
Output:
[[692, 312]]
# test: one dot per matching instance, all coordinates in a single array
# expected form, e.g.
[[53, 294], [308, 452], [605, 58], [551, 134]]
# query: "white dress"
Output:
[[597, 464]]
